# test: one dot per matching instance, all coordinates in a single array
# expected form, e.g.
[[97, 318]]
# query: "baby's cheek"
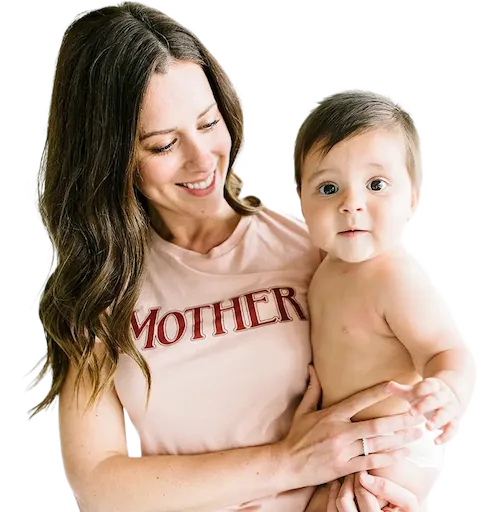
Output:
[[321, 232]]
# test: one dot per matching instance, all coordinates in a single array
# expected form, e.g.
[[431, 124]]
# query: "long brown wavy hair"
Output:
[[95, 216]]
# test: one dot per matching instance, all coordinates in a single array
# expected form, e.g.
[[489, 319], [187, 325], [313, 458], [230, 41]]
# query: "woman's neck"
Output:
[[195, 234]]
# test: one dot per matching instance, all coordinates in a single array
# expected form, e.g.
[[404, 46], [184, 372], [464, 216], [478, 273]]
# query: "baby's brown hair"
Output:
[[351, 113]]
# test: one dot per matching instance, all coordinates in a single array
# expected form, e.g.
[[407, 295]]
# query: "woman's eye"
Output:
[[208, 126], [170, 147], [377, 185], [328, 189], [165, 149]]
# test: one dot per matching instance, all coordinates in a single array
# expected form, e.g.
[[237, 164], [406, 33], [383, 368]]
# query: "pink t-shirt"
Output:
[[226, 337]]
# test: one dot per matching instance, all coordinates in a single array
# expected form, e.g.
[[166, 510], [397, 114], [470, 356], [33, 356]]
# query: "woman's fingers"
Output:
[[384, 426], [377, 460], [332, 496], [345, 498], [311, 397], [355, 403], [387, 490], [390, 442], [367, 502]]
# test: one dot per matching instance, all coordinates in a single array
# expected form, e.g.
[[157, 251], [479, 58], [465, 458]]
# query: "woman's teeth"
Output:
[[201, 185]]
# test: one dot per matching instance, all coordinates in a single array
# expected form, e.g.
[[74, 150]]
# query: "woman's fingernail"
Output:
[[366, 478]]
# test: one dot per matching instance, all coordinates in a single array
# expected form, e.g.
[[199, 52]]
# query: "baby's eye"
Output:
[[377, 185], [328, 189]]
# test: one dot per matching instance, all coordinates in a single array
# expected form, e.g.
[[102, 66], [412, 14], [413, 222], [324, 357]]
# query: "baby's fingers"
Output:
[[449, 431], [441, 417], [404, 391], [411, 393], [425, 406]]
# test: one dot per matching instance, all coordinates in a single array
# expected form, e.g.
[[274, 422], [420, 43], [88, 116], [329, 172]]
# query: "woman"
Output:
[[175, 299]]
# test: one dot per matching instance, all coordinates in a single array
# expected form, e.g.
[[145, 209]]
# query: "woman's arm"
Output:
[[321, 446], [105, 478]]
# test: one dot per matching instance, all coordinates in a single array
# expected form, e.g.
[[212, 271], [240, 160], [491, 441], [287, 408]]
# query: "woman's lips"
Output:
[[200, 192]]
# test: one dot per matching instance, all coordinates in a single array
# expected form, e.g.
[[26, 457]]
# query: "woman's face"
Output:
[[184, 144]]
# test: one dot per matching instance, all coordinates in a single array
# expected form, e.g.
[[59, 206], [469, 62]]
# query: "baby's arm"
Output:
[[420, 319]]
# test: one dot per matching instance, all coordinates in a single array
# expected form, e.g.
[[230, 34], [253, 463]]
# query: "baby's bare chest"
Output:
[[353, 346], [346, 307]]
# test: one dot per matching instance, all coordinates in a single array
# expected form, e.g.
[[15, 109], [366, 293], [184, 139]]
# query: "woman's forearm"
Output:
[[197, 483]]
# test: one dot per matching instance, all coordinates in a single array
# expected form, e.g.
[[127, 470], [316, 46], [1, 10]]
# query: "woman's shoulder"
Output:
[[286, 235], [284, 224]]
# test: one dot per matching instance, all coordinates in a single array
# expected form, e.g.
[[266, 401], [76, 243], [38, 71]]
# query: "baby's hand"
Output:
[[434, 399]]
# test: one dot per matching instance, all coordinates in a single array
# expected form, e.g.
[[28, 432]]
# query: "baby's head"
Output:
[[358, 175]]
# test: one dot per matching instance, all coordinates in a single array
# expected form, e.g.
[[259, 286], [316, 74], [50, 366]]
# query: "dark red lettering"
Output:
[[197, 322], [181, 328], [288, 294], [149, 322], [252, 310], [238, 316]]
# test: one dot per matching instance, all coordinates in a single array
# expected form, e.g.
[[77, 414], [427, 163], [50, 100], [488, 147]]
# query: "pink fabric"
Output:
[[226, 336]]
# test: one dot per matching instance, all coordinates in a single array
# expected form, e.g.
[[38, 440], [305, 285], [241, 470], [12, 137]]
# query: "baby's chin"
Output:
[[351, 257]]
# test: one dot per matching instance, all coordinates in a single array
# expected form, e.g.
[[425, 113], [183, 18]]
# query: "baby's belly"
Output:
[[342, 373]]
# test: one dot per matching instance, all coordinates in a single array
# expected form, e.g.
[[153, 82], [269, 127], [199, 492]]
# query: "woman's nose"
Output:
[[199, 157]]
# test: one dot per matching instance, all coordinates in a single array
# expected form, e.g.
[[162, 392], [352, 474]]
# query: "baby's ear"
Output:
[[414, 199], [298, 191]]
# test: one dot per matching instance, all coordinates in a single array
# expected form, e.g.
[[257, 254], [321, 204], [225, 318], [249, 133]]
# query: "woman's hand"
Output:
[[400, 499], [363, 492], [325, 445]]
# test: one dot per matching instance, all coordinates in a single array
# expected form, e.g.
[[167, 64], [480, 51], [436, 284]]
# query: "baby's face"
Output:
[[357, 198]]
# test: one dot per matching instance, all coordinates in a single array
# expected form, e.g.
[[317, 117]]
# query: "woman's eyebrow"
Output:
[[169, 130]]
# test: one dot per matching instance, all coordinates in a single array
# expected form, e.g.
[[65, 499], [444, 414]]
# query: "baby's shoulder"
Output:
[[397, 270], [399, 267]]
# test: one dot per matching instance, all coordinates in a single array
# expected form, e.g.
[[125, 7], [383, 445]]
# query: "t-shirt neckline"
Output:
[[157, 242]]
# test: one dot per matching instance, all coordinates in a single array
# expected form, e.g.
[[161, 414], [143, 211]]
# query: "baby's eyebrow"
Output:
[[319, 173], [374, 164]]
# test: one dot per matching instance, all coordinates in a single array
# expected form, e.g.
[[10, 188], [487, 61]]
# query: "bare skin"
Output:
[[375, 315], [321, 446], [366, 350]]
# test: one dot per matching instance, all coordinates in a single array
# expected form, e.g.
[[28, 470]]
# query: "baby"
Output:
[[375, 316]]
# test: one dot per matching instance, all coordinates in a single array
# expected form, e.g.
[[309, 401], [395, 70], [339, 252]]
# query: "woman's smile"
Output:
[[200, 188]]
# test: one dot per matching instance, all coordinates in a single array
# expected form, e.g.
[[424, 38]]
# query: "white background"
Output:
[[480, 436]]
